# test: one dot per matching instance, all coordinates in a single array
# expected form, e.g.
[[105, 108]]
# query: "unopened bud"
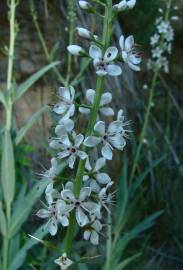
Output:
[[75, 49], [84, 33], [84, 5]]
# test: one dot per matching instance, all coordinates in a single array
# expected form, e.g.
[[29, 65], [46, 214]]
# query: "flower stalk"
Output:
[[156, 72], [92, 120]]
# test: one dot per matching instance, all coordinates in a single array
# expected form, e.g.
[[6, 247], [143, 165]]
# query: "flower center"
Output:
[[77, 203], [101, 65]]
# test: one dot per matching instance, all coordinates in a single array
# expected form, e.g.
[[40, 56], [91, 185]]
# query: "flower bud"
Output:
[[84, 5], [75, 49], [84, 33]]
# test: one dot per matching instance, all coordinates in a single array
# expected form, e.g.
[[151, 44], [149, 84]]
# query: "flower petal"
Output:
[[53, 226], [114, 70], [43, 213], [106, 111], [103, 178], [81, 217], [106, 98], [82, 155], [129, 42], [107, 152], [90, 94], [95, 52], [91, 141], [94, 238], [71, 161], [86, 235], [84, 110], [64, 93], [60, 108], [68, 195], [99, 164], [114, 127], [110, 54], [94, 186], [78, 140], [84, 193], [100, 128], [63, 154], [121, 42], [118, 141], [90, 207]]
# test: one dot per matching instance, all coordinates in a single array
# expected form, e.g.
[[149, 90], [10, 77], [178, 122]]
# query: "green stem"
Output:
[[150, 101], [71, 19], [5, 253], [91, 122], [12, 24], [11, 45], [109, 243]]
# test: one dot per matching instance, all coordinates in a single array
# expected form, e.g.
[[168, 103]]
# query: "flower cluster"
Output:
[[93, 150], [161, 44]]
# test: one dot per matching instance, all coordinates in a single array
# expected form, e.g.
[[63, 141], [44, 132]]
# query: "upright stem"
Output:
[[91, 122], [71, 19], [109, 243], [12, 7], [10, 61], [150, 100]]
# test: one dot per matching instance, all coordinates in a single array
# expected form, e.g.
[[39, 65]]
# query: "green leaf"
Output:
[[2, 221], [19, 259], [8, 168], [23, 210], [22, 132], [138, 181], [31, 80], [127, 261], [135, 232]]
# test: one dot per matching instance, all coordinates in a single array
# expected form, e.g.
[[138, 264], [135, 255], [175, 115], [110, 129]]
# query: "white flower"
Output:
[[66, 104], [84, 5], [64, 126], [51, 193], [105, 197], [125, 4], [64, 262], [92, 232], [96, 177], [75, 50], [84, 33], [129, 55], [80, 204], [122, 130], [102, 63], [54, 212], [109, 138], [50, 173], [70, 150], [106, 98], [154, 39]]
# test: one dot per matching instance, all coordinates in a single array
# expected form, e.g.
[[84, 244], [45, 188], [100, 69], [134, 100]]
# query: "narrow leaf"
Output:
[[127, 261], [31, 80], [22, 132], [2, 221], [19, 259], [138, 181], [8, 168], [23, 211]]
